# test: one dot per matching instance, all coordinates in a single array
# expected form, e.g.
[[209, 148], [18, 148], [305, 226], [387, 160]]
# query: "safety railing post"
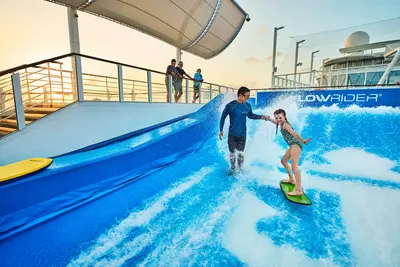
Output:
[[170, 88], [200, 93], [120, 84], [149, 87], [78, 76], [18, 102], [187, 91]]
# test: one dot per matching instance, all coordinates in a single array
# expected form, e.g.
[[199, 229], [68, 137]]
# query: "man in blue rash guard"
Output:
[[238, 111]]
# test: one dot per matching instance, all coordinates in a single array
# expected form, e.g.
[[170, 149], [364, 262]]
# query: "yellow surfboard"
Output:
[[24, 167]]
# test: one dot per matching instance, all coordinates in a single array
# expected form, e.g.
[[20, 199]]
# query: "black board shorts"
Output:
[[236, 143]]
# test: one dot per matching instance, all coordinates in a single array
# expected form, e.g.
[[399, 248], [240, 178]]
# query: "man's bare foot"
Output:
[[289, 181], [295, 193]]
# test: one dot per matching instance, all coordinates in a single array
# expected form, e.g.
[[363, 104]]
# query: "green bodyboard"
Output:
[[288, 187]]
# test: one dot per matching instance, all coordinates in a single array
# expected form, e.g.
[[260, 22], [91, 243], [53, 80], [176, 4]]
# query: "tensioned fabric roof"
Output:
[[202, 27]]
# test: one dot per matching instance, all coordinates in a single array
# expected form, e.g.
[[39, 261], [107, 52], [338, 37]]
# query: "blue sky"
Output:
[[34, 29]]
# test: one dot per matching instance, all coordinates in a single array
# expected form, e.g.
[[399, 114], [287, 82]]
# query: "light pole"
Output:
[[312, 64], [296, 60], [276, 29]]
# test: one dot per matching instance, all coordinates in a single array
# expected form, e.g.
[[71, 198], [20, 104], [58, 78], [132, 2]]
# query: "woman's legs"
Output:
[[195, 96], [285, 164], [295, 155]]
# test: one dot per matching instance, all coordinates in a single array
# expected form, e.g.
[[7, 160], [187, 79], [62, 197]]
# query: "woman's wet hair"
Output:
[[280, 111]]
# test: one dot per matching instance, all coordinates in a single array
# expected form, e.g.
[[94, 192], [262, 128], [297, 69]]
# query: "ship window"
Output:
[[356, 79], [374, 77], [394, 77]]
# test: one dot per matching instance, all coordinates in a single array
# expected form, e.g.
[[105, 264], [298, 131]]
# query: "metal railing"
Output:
[[351, 77], [30, 92]]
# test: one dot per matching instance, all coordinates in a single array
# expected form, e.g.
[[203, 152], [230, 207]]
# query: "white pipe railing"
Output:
[[390, 66]]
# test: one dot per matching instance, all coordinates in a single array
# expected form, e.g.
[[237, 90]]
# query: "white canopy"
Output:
[[202, 27]]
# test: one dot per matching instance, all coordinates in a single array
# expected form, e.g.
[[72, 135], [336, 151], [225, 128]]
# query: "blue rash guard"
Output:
[[237, 115]]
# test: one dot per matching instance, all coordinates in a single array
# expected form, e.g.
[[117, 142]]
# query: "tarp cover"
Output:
[[201, 27]]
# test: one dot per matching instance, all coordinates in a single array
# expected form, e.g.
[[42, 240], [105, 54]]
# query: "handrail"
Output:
[[320, 87], [25, 66], [361, 68], [12, 70]]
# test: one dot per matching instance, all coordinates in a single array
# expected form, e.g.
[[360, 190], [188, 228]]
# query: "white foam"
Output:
[[140, 140], [186, 242], [175, 126], [115, 235], [165, 130], [370, 218], [243, 240], [356, 162]]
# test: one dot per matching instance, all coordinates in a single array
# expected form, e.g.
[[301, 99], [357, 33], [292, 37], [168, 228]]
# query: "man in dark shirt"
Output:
[[171, 71], [179, 79], [238, 111]]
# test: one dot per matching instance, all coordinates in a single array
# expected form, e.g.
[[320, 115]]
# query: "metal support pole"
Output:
[[107, 90], [219, 89], [78, 76], [396, 58], [62, 84], [178, 55], [296, 60], [74, 44], [27, 84], [133, 91], [51, 89], [2, 100], [187, 91], [312, 64], [276, 29], [170, 88], [149, 87], [73, 30], [211, 93], [120, 84], [200, 98], [18, 102]]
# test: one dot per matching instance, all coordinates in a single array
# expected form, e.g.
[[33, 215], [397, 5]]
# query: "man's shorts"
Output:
[[236, 143], [178, 86]]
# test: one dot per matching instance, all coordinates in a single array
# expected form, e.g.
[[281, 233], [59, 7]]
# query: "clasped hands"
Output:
[[268, 118]]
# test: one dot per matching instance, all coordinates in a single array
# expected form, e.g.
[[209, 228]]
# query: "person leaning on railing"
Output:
[[171, 71], [198, 79], [179, 79]]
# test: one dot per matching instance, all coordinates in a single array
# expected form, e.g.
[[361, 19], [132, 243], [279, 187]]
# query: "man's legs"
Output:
[[236, 143], [195, 96], [241, 144], [167, 85], [232, 148], [178, 90]]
